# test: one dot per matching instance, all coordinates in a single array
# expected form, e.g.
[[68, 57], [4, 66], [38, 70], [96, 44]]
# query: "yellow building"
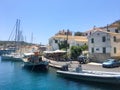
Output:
[[71, 40]]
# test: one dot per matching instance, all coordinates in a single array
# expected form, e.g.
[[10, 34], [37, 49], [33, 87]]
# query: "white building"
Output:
[[72, 41], [111, 28], [103, 45]]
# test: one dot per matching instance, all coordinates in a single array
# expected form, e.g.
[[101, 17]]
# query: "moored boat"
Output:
[[12, 57], [13, 53], [95, 76], [34, 62]]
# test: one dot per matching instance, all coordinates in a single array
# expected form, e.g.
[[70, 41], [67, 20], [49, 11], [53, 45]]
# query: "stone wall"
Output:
[[99, 57]]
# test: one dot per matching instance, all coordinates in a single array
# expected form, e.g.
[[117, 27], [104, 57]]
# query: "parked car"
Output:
[[110, 63], [82, 59]]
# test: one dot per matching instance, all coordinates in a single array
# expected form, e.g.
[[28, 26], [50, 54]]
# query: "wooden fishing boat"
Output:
[[34, 61]]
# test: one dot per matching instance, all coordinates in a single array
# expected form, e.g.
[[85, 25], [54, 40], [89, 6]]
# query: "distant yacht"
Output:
[[12, 57], [17, 55]]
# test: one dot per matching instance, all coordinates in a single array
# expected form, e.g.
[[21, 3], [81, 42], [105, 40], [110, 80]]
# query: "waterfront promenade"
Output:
[[90, 66], [98, 67]]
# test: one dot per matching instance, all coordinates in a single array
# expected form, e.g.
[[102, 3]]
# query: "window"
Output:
[[108, 30], [92, 40], [97, 49], [56, 41], [114, 49], [92, 50], [90, 33], [98, 34], [116, 30], [104, 50], [114, 38], [103, 39]]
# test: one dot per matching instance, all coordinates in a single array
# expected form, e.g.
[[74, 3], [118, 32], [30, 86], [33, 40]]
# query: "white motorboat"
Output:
[[96, 76], [12, 57]]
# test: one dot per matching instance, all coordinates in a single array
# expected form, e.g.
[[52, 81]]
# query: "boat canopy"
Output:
[[48, 51], [28, 54], [59, 51], [56, 51]]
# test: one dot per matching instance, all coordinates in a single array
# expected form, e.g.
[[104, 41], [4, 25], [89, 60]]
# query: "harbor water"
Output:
[[14, 77]]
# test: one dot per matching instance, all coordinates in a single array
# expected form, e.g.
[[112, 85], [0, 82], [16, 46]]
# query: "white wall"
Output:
[[115, 44], [109, 43], [98, 44], [111, 29]]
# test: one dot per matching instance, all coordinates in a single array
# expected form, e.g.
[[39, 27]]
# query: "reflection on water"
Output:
[[14, 77]]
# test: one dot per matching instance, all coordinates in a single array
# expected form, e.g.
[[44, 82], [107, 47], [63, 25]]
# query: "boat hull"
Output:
[[111, 79], [34, 66], [11, 58], [7, 58]]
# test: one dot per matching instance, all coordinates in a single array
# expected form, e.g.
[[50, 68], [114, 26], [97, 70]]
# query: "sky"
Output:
[[44, 18]]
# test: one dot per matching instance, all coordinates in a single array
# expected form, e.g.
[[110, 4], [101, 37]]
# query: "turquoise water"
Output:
[[14, 77]]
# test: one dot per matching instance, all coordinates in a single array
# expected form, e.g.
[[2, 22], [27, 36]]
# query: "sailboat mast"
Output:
[[16, 30], [17, 33], [32, 38], [67, 43]]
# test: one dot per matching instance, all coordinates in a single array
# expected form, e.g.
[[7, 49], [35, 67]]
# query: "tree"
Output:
[[63, 45], [75, 51], [78, 34], [84, 47]]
